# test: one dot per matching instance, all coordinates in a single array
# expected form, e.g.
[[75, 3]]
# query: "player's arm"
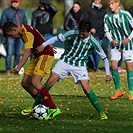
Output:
[[51, 41], [24, 59], [107, 69], [108, 34], [48, 42], [106, 63], [28, 38], [128, 39], [103, 56]]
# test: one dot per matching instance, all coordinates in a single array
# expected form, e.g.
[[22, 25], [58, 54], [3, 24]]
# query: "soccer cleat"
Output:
[[27, 111], [130, 97], [103, 116], [116, 95], [52, 113]]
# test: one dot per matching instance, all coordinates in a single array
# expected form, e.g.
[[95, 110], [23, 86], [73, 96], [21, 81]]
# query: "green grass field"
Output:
[[78, 115]]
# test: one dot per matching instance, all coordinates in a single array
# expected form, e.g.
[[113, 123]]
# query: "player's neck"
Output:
[[117, 11]]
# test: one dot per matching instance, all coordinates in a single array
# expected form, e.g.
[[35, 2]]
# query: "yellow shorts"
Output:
[[40, 66]]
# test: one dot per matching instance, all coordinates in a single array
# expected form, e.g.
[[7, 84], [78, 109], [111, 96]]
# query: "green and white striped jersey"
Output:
[[120, 26], [78, 50]]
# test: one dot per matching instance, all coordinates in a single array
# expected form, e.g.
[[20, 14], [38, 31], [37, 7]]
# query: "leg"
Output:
[[30, 84], [37, 69], [9, 50], [120, 69], [130, 79], [93, 98], [115, 74], [36, 82], [27, 85], [43, 92], [115, 57], [53, 110], [116, 79], [120, 61], [42, 67]]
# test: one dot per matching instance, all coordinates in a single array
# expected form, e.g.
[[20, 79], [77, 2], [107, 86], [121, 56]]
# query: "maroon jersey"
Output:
[[32, 39]]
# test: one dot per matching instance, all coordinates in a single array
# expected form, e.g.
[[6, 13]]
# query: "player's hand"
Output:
[[93, 31], [108, 78], [126, 41], [15, 70], [40, 49], [114, 42]]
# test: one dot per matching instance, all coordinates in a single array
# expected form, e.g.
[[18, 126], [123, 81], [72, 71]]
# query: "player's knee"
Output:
[[113, 67]]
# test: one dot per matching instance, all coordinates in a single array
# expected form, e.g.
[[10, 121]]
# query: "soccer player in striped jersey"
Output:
[[118, 25], [39, 65], [74, 60]]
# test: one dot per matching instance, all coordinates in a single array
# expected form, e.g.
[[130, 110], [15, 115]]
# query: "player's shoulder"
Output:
[[28, 29], [124, 12], [93, 40], [71, 32]]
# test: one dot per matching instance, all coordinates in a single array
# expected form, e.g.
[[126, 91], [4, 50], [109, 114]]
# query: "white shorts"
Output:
[[116, 55], [63, 70]]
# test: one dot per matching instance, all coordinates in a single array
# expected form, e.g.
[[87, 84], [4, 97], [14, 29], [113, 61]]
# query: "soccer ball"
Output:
[[40, 112], [21, 71]]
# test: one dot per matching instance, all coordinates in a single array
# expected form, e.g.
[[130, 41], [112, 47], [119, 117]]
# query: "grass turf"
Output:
[[78, 115]]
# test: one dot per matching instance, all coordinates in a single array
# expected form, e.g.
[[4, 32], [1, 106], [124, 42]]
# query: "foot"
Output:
[[130, 97], [120, 69], [103, 116], [8, 72], [27, 111], [52, 113], [116, 95]]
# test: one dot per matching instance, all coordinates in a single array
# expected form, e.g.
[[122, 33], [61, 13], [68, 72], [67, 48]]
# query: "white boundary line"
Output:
[[3, 79]]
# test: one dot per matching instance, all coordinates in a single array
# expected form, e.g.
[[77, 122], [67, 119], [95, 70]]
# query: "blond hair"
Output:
[[114, 1]]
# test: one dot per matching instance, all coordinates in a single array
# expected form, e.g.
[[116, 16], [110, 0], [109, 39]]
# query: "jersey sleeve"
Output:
[[67, 35], [61, 37], [28, 39], [106, 28], [130, 19], [101, 54], [99, 49]]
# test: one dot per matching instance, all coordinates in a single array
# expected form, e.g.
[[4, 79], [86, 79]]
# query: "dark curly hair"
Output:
[[84, 25], [8, 27]]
